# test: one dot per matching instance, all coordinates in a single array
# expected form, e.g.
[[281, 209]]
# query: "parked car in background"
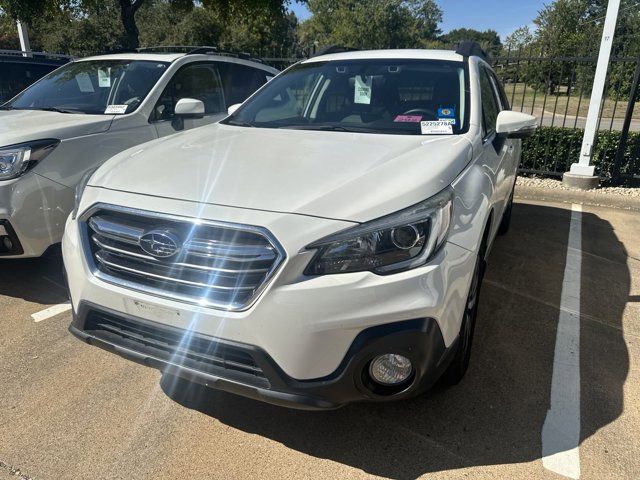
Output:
[[78, 116], [323, 244], [18, 71]]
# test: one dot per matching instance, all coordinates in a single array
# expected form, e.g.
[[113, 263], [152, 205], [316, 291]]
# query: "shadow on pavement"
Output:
[[495, 415], [37, 280]]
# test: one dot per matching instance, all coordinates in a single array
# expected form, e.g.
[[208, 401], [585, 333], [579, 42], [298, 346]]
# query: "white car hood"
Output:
[[17, 126], [347, 176]]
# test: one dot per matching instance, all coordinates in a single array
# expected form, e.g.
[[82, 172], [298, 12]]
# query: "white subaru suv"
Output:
[[83, 113], [323, 244]]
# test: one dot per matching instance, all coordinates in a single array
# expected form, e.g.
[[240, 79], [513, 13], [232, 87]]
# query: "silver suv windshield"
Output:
[[407, 97], [92, 87]]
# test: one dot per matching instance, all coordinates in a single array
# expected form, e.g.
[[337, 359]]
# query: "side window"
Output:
[[504, 101], [200, 81], [490, 107], [240, 81]]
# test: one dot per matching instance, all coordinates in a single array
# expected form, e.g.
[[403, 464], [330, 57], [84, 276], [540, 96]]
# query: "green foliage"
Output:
[[371, 23], [28, 10], [519, 39], [554, 149], [489, 39], [572, 28]]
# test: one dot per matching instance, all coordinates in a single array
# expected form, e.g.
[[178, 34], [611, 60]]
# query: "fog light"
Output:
[[8, 244], [390, 369]]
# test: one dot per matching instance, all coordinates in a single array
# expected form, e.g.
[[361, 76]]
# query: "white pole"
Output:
[[24, 39], [583, 166]]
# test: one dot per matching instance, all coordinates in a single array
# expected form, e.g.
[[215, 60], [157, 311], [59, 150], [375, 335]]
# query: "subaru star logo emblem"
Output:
[[160, 243]]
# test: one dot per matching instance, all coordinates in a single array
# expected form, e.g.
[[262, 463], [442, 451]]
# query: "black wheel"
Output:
[[460, 363], [506, 217]]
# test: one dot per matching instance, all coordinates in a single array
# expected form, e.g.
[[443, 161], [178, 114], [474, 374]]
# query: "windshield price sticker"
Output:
[[436, 127], [84, 82], [116, 109], [104, 77], [362, 93]]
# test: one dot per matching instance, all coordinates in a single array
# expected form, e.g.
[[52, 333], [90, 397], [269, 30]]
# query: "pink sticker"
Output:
[[408, 118]]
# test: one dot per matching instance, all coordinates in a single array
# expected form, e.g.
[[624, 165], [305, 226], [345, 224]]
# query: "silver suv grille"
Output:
[[211, 264]]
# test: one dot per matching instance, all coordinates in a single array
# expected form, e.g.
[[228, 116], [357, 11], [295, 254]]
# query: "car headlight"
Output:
[[400, 241], [17, 159], [84, 181]]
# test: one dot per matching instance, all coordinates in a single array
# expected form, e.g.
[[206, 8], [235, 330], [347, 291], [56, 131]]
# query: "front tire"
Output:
[[460, 363]]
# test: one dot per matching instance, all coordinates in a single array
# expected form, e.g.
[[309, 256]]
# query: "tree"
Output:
[[128, 9], [371, 23], [519, 39], [488, 39]]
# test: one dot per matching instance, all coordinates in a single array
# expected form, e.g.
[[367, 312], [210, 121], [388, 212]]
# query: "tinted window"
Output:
[[200, 81], [240, 81], [490, 106], [368, 96], [15, 77], [93, 86]]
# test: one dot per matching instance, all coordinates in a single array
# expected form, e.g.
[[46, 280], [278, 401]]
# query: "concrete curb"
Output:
[[584, 197]]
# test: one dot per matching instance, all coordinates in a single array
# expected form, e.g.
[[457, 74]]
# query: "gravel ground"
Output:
[[552, 183]]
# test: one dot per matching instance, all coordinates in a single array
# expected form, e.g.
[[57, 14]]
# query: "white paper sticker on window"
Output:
[[116, 109], [84, 82], [104, 77], [433, 127], [362, 93]]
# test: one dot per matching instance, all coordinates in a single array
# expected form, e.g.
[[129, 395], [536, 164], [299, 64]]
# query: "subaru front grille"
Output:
[[212, 264]]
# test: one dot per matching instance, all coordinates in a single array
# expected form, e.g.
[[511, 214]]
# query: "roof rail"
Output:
[[197, 50], [467, 48], [40, 55], [334, 49]]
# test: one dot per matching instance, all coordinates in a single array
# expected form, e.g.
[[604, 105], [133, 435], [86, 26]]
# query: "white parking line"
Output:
[[51, 312], [561, 429]]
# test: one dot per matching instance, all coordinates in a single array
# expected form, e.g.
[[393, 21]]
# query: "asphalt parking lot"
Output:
[[69, 410]]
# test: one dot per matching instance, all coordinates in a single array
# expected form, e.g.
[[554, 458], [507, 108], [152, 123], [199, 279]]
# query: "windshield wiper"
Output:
[[57, 109], [239, 123], [344, 128], [6, 107]]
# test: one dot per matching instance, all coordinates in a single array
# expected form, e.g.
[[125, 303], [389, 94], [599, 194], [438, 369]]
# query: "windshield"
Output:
[[96, 87], [408, 97]]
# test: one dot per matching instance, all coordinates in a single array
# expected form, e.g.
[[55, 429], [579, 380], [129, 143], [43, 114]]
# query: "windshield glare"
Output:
[[409, 97], [93, 87]]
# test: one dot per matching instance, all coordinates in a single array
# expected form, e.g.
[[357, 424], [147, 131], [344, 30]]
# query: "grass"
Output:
[[525, 98]]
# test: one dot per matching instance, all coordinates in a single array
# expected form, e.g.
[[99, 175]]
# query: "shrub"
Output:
[[552, 150]]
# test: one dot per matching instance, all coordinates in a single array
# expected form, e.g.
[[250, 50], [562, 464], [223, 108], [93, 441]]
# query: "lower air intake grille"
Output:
[[177, 346]]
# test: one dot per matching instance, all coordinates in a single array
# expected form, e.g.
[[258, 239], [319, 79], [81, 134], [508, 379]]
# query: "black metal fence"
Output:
[[557, 90]]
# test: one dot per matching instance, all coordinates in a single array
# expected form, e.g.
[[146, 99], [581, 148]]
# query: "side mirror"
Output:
[[189, 108], [515, 124], [233, 108]]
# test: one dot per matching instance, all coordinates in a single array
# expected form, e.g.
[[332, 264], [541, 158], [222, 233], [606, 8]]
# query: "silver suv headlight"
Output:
[[15, 160], [396, 242]]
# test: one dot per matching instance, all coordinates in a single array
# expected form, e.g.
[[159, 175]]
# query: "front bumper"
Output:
[[305, 325], [33, 209], [249, 371]]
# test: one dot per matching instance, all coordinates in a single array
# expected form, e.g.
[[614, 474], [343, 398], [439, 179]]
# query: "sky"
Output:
[[504, 16]]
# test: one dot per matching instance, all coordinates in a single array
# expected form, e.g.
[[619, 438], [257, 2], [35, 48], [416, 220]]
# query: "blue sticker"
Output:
[[446, 112]]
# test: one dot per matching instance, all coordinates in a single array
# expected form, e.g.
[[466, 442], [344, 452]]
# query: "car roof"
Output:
[[417, 54]]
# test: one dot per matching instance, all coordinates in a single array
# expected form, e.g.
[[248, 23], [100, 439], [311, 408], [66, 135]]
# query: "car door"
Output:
[[199, 80], [495, 149], [512, 153]]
